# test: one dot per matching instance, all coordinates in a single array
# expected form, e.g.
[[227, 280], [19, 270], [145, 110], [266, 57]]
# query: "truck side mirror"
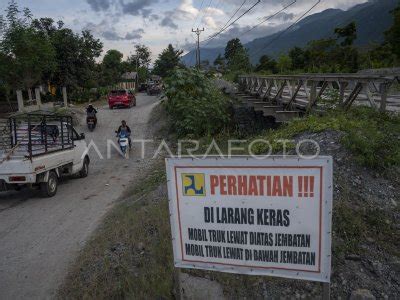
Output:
[[82, 136]]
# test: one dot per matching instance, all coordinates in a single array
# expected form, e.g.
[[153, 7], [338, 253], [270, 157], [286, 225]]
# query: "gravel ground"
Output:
[[40, 237]]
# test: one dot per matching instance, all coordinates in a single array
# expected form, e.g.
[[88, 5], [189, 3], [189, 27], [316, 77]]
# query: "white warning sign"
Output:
[[261, 217]]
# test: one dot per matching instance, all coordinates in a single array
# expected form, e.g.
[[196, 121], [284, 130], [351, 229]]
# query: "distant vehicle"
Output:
[[142, 87], [154, 89], [121, 98], [42, 149]]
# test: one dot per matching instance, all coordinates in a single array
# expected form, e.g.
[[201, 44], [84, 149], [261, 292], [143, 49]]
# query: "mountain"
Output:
[[373, 18]]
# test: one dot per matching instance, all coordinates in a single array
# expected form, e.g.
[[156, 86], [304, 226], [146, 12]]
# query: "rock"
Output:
[[357, 180], [395, 265], [140, 246], [265, 290], [362, 294], [370, 240], [378, 268], [199, 288]]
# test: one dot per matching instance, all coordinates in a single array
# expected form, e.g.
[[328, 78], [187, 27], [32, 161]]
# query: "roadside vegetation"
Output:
[[372, 137], [196, 107]]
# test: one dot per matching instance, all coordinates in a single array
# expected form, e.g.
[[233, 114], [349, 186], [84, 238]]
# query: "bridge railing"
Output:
[[306, 91]]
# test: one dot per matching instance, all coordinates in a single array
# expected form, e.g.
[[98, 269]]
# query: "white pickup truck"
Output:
[[37, 149]]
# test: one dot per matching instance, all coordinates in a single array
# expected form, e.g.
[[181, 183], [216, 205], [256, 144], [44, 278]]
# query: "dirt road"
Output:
[[40, 237]]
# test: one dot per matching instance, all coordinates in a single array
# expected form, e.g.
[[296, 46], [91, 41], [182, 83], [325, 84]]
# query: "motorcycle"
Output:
[[123, 142], [91, 122]]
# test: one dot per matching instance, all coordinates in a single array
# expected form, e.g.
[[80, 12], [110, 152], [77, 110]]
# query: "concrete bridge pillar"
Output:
[[65, 97], [37, 96], [20, 101]]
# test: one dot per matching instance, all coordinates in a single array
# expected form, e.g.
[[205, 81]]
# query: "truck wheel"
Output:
[[85, 169], [49, 188]]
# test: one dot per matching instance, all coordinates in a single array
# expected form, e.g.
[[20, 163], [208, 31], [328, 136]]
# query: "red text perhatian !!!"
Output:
[[251, 185]]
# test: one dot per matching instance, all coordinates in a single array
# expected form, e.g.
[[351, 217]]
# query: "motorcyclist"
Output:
[[91, 113], [126, 130]]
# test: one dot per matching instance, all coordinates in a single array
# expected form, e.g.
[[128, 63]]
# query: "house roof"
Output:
[[129, 75]]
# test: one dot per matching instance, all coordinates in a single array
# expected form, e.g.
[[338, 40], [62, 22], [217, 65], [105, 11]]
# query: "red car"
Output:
[[121, 98]]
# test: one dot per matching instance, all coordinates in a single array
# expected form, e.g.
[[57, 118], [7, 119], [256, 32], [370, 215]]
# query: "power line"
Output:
[[225, 26], [202, 12], [233, 22], [201, 6], [268, 18], [287, 29], [192, 55], [229, 19]]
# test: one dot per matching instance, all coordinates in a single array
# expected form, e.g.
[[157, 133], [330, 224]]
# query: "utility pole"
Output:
[[137, 62], [198, 32]]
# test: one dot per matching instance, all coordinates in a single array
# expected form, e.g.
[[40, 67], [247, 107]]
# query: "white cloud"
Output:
[[186, 10], [212, 11], [209, 21]]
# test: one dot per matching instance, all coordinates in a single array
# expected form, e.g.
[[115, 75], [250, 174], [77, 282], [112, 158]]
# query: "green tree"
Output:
[[196, 106], [284, 63], [232, 47], [27, 53], [297, 55], [347, 33], [75, 54], [381, 56], [236, 56], [111, 67], [4, 84], [317, 55], [168, 59], [90, 49], [267, 64], [140, 62], [392, 36], [141, 58]]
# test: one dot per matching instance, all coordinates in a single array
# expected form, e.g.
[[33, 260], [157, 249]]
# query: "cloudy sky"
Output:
[[121, 24]]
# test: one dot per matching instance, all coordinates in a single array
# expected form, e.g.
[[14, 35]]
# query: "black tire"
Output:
[[49, 188], [85, 169]]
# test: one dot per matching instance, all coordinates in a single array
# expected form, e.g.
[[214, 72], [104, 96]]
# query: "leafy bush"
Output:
[[373, 137], [195, 105], [88, 95]]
